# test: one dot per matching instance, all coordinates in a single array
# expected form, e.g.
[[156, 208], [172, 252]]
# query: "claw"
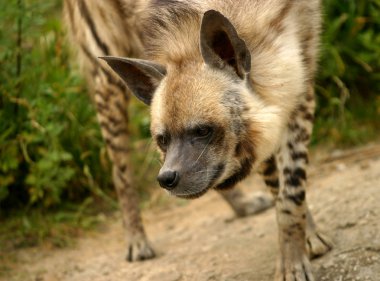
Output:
[[139, 251], [317, 244]]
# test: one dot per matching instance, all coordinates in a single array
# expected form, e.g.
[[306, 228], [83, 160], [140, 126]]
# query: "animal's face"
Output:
[[201, 112], [198, 125]]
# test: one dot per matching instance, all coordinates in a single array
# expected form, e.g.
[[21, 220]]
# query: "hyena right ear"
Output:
[[221, 45], [141, 76]]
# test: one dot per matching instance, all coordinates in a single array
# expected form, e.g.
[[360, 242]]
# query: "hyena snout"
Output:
[[168, 179]]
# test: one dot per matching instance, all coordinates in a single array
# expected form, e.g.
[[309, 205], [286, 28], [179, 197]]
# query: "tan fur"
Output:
[[261, 117]]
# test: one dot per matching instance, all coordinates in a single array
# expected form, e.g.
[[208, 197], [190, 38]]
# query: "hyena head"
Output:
[[202, 112]]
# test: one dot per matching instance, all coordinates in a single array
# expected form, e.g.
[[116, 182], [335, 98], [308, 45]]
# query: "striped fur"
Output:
[[230, 84]]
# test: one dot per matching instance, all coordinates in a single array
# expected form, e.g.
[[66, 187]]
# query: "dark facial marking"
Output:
[[243, 172], [163, 141]]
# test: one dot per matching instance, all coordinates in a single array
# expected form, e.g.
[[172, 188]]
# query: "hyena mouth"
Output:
[[217, 172], [193, 195]]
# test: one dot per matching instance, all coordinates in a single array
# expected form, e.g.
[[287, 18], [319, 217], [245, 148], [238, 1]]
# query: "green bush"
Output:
[[50, 144], [348, 84]]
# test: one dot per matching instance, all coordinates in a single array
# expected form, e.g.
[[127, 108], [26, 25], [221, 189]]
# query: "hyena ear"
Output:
[[220, 44], [141, 76]]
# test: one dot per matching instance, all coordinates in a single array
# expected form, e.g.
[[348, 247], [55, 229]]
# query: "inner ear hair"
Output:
[[221, 45], [141, 76]]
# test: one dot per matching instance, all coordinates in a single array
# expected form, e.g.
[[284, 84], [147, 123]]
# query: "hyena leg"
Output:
[[100, 28], [294, 220], [111, 103], [291, 211], [317, 243], [245, 205]]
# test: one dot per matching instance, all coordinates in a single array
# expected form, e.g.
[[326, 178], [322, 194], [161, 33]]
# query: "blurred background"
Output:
[[54, 172]]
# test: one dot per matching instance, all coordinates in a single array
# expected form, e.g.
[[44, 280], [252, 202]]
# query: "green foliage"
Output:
[[50, 145], [348, 85]]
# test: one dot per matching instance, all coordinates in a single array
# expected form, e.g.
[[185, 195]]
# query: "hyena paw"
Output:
[[317, 244], [255, 203], [295, 271], [139, 250]]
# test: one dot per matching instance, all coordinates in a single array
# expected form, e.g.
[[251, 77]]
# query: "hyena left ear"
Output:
[[220, 44], [141, 76]]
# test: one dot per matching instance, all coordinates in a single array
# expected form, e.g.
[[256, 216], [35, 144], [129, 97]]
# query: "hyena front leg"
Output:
[[296, 227], [291, 211], [317, 243], [111, 102]]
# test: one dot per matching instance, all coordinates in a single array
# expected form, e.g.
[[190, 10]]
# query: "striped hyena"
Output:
[[113, 27], [230, 85]]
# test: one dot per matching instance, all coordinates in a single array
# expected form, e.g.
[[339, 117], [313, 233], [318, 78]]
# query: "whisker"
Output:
[[204, 149]]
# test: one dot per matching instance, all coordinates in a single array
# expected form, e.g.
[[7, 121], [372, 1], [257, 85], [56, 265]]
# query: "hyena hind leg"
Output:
[[246, 205], [89, 24]]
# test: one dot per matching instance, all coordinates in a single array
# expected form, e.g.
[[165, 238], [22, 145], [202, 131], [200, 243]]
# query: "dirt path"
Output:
[[202, 241]]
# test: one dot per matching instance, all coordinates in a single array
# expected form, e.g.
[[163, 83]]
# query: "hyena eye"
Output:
[[203, 131], [163, 142]]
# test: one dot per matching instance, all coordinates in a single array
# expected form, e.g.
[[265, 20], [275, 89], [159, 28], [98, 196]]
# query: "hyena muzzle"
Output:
[[230, 85]]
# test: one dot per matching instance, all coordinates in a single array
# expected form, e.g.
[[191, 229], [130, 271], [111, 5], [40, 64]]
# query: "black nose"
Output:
[[168, 179]]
